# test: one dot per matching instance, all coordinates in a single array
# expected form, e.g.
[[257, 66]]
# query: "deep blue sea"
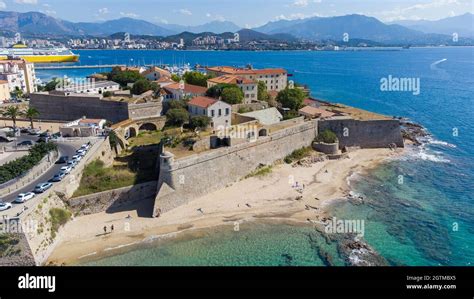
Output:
[[426, 220]]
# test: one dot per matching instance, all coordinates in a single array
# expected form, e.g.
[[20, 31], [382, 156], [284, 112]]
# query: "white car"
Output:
[[23, 197], [77, 158], [66, 169], [5, 206], [81, 152], [85, 147]]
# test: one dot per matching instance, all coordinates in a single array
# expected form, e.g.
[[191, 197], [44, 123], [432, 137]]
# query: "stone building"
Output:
[[220, 112], [274, 79], [248, 87], [64, 106]]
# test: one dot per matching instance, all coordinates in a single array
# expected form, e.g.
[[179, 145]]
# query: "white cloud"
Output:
[[410, 12], [301, 3], [296, 16], [216, 17], [26, 1], [185, 11], [304, 3], [2, 5], [48, 12], [103, 10], [129, 14]]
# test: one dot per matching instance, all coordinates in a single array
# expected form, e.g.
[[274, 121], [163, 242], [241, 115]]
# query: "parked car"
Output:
[[43, 140], [66, 169], [86, 146], [58, 177], [63, 160], [5, 206], [45, 134], [34, 132], [42, 187], [22, 197], [25, 143], [24, 130], [81, 152], [72, 163], [77, 158]]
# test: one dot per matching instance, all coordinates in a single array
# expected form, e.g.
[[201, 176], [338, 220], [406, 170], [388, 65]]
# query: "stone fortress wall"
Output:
[[183, 180], [58, 106], [365, 134]]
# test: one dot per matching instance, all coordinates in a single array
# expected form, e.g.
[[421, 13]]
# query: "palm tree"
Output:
[[31, 113], [12, 112]]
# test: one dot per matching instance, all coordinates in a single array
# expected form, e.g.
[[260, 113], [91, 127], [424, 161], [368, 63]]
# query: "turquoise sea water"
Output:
[[427, 220]]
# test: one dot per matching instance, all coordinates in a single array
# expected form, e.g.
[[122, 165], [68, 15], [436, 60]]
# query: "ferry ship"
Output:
[[39, 55]]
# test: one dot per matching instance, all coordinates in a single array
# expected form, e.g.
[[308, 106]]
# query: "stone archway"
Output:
[[132, 132], [148, 127], [263, 132]]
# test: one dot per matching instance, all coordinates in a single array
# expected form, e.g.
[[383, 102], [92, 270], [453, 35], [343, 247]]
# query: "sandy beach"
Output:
[[289, 193]]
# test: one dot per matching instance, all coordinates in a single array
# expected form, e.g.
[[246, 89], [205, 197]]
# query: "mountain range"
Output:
[[463, 25], [312, 29]]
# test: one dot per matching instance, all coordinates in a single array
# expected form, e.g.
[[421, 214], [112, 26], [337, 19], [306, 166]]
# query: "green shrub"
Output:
[[21, 165], [59, 217], [327, 136], [200, 121], [298, 155]]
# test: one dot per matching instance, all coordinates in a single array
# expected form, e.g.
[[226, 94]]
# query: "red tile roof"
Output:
[[188, 88], [315, 112], [240, 71], [202, 102], [231, 79]]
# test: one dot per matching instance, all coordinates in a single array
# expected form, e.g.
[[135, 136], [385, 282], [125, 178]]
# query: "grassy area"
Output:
[[146, 138], [59, 217], [97, 178], [260, 171], [298, 155], [8, 244]]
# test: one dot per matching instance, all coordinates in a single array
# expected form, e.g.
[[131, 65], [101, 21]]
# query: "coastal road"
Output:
[[65, 149]]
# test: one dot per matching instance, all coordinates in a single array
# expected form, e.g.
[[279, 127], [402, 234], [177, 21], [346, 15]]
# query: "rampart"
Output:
[[365, 134]]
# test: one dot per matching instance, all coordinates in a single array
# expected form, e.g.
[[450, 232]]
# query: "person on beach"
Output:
[[105, 229], [112, 228]]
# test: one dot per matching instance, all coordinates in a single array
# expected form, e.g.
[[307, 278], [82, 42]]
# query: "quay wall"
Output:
[[364, 134]]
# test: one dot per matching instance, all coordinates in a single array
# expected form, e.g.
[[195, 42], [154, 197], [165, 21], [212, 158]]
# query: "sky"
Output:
[[245, 13]]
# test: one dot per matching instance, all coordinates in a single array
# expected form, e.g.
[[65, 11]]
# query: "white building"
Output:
[[219, 112], [90, 87], [19, 73]]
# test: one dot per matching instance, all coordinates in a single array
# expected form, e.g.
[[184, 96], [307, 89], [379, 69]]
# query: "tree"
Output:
[[177, 116], [107, 94], [177, 104], [291, 98], [327, 136], [216, 90], [200, 121], [143, 85], [124, 77], [31, 113], [17, 93], [196, 78], [12, 112], [51, 85], [262, 94], [175, 78], [232, 95]]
